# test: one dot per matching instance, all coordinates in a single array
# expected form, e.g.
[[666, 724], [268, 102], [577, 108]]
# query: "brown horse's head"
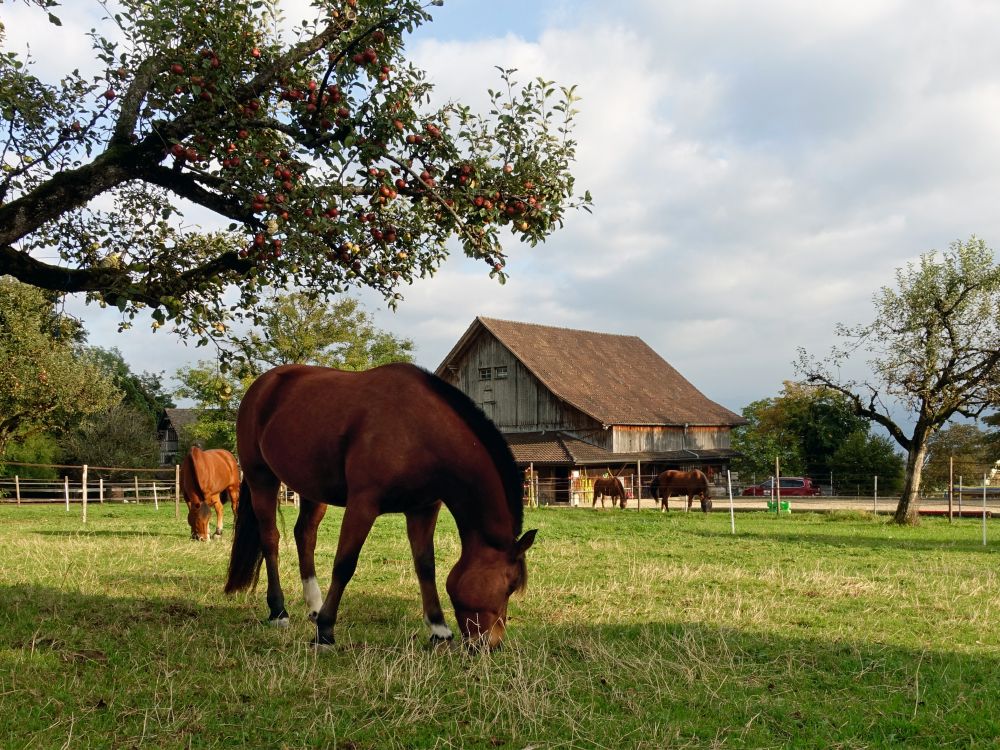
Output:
[[480, 585], [198, 517]]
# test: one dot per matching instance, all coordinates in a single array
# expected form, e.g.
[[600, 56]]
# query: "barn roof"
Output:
[[616, 379]]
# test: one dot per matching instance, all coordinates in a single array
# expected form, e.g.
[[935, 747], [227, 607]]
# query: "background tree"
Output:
[[47, 382], [144, 392], [123, 435], [296, 329], [803, 425], [967, 445], [763, 438], [299, 328], [216, 395], [822, 419], [322, 152], [933, 348], [862, 457], [39, 448]]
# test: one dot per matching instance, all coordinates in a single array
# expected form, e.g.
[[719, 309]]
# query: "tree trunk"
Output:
[[909, 501]]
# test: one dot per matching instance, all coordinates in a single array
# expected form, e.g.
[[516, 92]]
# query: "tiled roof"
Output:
[[617, 380]]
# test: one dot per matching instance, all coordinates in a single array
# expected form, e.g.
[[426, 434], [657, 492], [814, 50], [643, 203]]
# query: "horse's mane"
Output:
[[491, 438]]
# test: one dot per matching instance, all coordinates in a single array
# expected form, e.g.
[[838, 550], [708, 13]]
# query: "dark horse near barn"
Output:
[[394, 439], [207, 477], [691, 483], [608, 487]]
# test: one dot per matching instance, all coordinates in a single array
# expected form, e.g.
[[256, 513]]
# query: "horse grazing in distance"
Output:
[[205, 477], [691, 483], [608, 487], [394, 439]]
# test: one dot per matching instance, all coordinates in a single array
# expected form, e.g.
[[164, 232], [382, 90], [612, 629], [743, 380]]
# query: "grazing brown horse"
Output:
[[394, 439], [205, 476], [692, 483], [611, 487]]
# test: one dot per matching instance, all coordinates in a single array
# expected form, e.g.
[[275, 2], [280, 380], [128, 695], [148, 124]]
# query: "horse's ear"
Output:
[[523, 544]]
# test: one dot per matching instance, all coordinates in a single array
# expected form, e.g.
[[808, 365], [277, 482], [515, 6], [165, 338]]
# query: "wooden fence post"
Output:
[[984, 510], [66, 491], [732, 509], [951, 487], [638, 489], [156, 500], [17, 488], [177, 492], [776, 487], [84, 494], [100, 489], [136, 478]]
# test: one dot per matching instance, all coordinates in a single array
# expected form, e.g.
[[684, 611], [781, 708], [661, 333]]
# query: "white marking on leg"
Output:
[[312, 595], [438, 630]]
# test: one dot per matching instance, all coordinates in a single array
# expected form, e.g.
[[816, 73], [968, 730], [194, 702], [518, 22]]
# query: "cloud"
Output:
[[758, 170]]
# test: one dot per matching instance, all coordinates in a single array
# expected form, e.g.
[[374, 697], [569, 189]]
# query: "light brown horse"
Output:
[[205, 477], [609, 487], [394, 439], [691, 483]]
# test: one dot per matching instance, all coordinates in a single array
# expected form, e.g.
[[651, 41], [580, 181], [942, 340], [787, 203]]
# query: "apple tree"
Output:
[[48, 380], [933, 351], [319, 150]]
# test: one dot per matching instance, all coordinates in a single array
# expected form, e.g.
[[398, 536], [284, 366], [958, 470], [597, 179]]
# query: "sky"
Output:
[[758, 170]]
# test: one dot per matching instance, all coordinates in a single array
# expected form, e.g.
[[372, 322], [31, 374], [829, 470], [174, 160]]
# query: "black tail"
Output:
[[246, 555], [654, 487]]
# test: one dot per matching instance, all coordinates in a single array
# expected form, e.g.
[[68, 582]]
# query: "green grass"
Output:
[[637, 630]]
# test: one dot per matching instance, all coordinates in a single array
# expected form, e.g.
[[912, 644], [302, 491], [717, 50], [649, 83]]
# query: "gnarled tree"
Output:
[[933, 349], [322, 151]]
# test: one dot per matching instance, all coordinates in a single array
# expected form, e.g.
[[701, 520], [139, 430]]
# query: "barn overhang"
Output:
[[564, 449]]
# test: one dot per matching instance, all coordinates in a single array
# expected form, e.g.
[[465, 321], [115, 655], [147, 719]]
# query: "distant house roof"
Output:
[[178, 418], [560, 448], [617, 380]]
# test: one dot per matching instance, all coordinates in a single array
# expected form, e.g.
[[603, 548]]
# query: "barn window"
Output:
[[485, 373], [499, 373]]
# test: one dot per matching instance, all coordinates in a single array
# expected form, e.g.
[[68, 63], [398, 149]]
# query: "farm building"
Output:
[[574, 405], [172, 422]]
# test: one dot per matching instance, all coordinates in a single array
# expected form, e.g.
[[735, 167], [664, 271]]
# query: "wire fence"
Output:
[[82, 485], [860, 493]]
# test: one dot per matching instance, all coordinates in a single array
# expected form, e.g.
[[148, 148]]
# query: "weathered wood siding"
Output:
[[656, 439], [517, 402]]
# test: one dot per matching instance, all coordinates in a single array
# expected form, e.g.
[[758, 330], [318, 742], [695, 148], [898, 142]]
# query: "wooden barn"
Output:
[[574, 405]]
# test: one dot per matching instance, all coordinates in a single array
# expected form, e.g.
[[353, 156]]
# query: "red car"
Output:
[[788, 486]]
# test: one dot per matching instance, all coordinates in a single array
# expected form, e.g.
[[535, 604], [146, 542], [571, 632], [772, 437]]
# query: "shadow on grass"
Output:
[[669, 683]]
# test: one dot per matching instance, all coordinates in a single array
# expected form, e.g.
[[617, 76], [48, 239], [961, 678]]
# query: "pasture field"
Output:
[[637, 630]]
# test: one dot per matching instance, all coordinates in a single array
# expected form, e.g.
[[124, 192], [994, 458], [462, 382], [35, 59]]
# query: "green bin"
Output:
[[785, 506]]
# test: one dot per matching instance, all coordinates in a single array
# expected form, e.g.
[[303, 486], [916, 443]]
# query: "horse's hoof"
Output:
[[278, 622], [217, 535], [313, 616], [323, 640], [439, 642]]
